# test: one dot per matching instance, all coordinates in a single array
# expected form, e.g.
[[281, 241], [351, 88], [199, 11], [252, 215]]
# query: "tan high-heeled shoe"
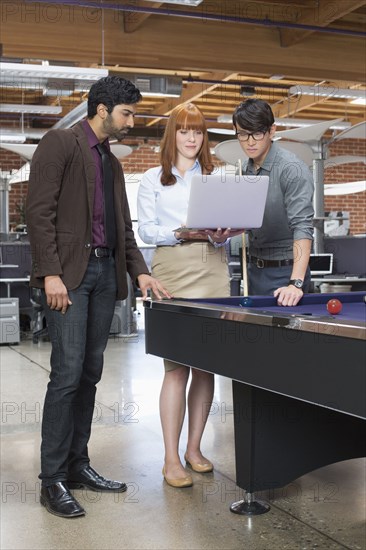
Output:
[[180, 482], [204, 468]]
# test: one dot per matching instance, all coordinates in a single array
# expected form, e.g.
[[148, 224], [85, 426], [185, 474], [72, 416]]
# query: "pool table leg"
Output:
[[278, 439]]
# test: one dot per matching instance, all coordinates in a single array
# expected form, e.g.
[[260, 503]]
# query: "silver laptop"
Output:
[[227, 201]]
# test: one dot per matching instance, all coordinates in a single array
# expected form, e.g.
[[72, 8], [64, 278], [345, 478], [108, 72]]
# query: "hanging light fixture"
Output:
[[53, 80], [32, 109], [294, 122], [304, 122], [12, 137], [18, 71], [359, 101], [327, 91]]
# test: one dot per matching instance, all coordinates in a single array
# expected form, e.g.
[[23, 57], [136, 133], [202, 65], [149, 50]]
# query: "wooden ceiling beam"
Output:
[[159, 45], [321, 15], [133, 20]]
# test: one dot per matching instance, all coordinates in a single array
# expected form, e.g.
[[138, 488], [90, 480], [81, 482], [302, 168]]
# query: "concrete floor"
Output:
[[321, 510]]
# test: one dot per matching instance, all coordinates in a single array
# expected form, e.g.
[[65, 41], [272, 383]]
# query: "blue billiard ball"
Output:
[[246, 302]]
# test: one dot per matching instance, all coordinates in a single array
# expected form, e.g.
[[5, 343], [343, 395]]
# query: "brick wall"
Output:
[[355, 203], [8, 162], [144, 157]]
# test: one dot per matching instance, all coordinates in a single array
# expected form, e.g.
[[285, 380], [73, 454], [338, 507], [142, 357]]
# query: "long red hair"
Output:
[[188, 117]]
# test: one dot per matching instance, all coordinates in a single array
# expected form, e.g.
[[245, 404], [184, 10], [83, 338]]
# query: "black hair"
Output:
[[111, 91], [253, 115]]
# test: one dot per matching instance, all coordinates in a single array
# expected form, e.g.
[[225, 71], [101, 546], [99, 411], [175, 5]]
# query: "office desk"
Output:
[[337, 279], [356, 283], [9, 280]]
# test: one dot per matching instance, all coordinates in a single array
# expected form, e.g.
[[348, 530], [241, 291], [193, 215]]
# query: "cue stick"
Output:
[[243, 251], [244, 261]]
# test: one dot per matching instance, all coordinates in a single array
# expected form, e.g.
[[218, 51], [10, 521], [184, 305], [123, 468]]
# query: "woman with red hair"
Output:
[[191, 264]]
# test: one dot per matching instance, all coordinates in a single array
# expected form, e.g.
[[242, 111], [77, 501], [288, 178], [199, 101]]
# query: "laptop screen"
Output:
[[321, 264], [225, 200]]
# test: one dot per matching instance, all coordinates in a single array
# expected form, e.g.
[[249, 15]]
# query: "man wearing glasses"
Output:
[[278, 251]]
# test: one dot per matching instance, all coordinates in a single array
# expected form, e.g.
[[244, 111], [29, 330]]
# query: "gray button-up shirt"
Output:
[[289, 212]]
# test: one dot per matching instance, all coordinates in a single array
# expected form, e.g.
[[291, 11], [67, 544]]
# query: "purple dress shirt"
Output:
[[98, 233]]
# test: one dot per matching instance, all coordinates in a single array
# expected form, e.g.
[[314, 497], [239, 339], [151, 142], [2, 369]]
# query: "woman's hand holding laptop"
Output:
[[217, 236], [221, 235]]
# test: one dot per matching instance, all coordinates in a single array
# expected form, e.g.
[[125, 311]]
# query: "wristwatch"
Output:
[[299, 283], [215, 244]]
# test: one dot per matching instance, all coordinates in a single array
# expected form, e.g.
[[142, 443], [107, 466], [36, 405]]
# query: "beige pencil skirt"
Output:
[[191, 270]]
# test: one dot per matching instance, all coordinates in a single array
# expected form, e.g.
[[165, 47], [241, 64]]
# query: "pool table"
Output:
[[298, 376]]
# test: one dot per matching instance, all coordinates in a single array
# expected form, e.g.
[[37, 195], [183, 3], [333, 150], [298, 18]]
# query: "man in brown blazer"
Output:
[[83, 246]]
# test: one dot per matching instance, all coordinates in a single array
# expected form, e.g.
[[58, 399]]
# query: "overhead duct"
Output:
[[158, 86]]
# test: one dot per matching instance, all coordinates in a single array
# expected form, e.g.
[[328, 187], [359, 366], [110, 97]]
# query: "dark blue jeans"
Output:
[[78, 338], [264, 281]]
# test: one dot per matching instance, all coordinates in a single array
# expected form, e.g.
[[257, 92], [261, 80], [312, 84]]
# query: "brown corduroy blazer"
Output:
[[59, 212]]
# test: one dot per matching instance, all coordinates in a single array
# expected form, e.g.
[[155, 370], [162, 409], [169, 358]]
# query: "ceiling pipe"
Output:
[[202, 15]]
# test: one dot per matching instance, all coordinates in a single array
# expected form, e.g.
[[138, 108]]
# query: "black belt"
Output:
[[102, 252], [269, 263]]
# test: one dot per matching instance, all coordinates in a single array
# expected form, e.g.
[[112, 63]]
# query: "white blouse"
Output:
[[163, 208]]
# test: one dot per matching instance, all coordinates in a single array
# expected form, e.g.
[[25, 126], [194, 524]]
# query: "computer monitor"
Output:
[[321, 264], [349, 254]]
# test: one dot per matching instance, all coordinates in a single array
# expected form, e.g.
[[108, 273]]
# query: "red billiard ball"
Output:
[[334, 306]]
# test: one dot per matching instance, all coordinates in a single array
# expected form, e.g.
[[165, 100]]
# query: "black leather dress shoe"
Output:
[[90, 479], [59, 501]]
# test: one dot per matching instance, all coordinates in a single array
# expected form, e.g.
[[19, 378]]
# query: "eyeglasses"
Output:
[[257, 136]]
